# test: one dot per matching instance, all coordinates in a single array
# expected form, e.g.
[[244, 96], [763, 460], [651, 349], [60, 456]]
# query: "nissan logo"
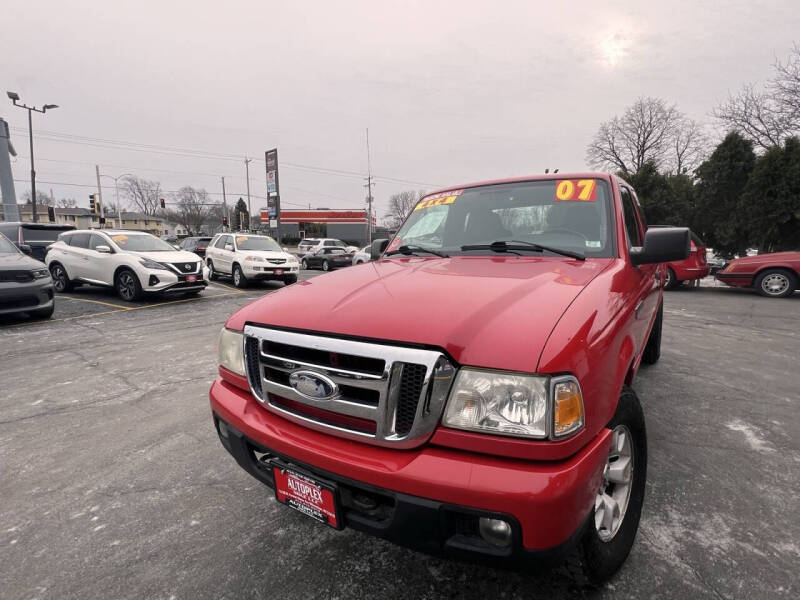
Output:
[[314, 386], [187, 267]]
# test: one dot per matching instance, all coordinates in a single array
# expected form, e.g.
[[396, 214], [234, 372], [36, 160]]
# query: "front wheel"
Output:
[[128, 286], [303, 264], [290, 279], [212, 274], [776, 283], [608, 536], [325, 266], [239, 280]]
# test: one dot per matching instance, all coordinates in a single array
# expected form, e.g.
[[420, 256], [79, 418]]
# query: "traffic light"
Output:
[[94, 205], [224, 221], [163, 204], [51, 213]]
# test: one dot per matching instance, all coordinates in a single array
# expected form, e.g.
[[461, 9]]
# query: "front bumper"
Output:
[[431, 497], [269, 271], [24, 297], [168, 281], [735, 279]]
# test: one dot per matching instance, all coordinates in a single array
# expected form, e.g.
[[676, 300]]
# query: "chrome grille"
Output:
[[276, 261], [385, 395]]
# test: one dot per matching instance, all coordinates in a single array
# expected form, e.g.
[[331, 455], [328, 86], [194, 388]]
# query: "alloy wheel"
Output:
[[775, 284], [59, 278], [615, 489], [237, 276], [127, 286]]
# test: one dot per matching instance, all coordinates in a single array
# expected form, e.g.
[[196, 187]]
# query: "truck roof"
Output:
[[540, 177]]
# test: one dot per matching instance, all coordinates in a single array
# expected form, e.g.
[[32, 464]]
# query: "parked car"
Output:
[[361, 256], [483, 368], [133, 263], [246, 257], [693, 268], [197, 245], [774, 275], [327, 259], [715, 262], [25, 283], [307, 245], [35, 236]]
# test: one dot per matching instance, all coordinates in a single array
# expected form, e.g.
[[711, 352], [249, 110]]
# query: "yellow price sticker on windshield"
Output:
[[119, 238], [576, 190], [241, 239], [439, 199]]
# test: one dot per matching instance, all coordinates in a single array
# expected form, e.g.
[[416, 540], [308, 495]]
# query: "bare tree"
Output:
[[643, 133], [144, 194], [689, 146], [42, 199], [400, 205], [192, 208], [766, 116], [66, 203]]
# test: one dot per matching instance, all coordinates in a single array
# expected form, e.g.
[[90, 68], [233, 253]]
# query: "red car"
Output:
[[468, 394], [690, 269], [773, 275]]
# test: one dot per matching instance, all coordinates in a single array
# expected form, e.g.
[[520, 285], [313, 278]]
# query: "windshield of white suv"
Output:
[[572, 215], [7, 247], [141, 243], [257, 242]]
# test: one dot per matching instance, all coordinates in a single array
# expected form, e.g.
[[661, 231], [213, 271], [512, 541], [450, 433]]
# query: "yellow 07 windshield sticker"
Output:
[[576, 190], [241, 239], [439, 199], [119, 238]]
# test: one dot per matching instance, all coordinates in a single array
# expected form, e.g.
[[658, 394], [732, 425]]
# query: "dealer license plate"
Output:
[[307, 495], [191, 278]]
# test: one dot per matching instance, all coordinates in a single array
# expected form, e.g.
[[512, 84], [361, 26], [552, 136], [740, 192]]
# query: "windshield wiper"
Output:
[[411, 249], [503, 246]]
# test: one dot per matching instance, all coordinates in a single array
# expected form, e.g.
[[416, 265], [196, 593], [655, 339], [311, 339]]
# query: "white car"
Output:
[[310, 245], [133, 263], [246, 257], [362, 256]]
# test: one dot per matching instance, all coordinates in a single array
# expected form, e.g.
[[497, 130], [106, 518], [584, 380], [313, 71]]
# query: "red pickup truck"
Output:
[[467, 392]]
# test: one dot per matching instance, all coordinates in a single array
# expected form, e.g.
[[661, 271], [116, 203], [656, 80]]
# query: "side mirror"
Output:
[[103, 249], [661, 245], [26, 249], [377, 248], [229, 247]]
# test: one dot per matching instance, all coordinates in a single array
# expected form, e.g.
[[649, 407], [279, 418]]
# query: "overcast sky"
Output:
[[451, 91]]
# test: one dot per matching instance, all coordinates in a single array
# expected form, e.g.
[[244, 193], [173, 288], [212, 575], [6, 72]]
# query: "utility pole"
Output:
[[247, 162], [31, 109], [10, 208], [224, 203], [369, 185]]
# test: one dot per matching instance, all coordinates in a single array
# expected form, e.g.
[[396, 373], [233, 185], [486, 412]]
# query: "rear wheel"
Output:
[[776, 283], [652, 351], [61, 282], [670, 282], [608, 536], [239, 280], [128, 286]]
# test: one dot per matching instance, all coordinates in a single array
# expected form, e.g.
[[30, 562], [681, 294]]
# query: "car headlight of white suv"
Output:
[[151, 264]]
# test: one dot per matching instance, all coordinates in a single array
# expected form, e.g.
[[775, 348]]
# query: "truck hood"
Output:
[[494, 312]]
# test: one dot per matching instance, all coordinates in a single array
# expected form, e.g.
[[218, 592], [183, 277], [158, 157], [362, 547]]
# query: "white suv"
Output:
[[309, 245], [247, 257], [131, 262]]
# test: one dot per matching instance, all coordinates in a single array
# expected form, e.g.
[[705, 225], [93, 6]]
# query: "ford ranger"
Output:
[[467, 392]]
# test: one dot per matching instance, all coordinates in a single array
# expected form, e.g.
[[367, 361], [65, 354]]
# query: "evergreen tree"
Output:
[[241, 218]]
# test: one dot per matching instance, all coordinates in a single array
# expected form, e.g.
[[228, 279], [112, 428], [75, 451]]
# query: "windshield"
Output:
[[141, 243], [6, 247], [255, 242], [564, 214]]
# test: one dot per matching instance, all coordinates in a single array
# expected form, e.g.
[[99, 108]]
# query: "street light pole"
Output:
[[14, 97], [116, 195]]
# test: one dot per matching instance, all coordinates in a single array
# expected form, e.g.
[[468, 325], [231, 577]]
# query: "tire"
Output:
[[239, 280], [601, 551], [61, 283], [670, 283], [290, 279], [652, 351], [303, 264], [43, 313], [325, 266], [212, 274], [776, 283], [127, 285]]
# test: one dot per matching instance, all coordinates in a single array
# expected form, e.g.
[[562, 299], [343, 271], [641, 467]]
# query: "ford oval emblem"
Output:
[[313, 385]]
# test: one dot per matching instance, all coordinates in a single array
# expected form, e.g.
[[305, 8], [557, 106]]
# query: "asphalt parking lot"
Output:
[[114, 485]]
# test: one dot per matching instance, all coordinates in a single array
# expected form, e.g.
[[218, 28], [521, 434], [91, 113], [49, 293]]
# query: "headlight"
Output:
[[514, 404], [253, 259], [151, 264], [230, 350], [40, 273]]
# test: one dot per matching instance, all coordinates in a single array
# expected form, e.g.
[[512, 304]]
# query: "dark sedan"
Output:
[[327, 259], [197, 245], [25, 283]]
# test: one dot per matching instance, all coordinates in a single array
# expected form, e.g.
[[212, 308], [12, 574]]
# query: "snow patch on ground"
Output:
[[751, 436]]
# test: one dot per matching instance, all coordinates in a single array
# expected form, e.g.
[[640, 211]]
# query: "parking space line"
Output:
[[227, 287], [94, 301]]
